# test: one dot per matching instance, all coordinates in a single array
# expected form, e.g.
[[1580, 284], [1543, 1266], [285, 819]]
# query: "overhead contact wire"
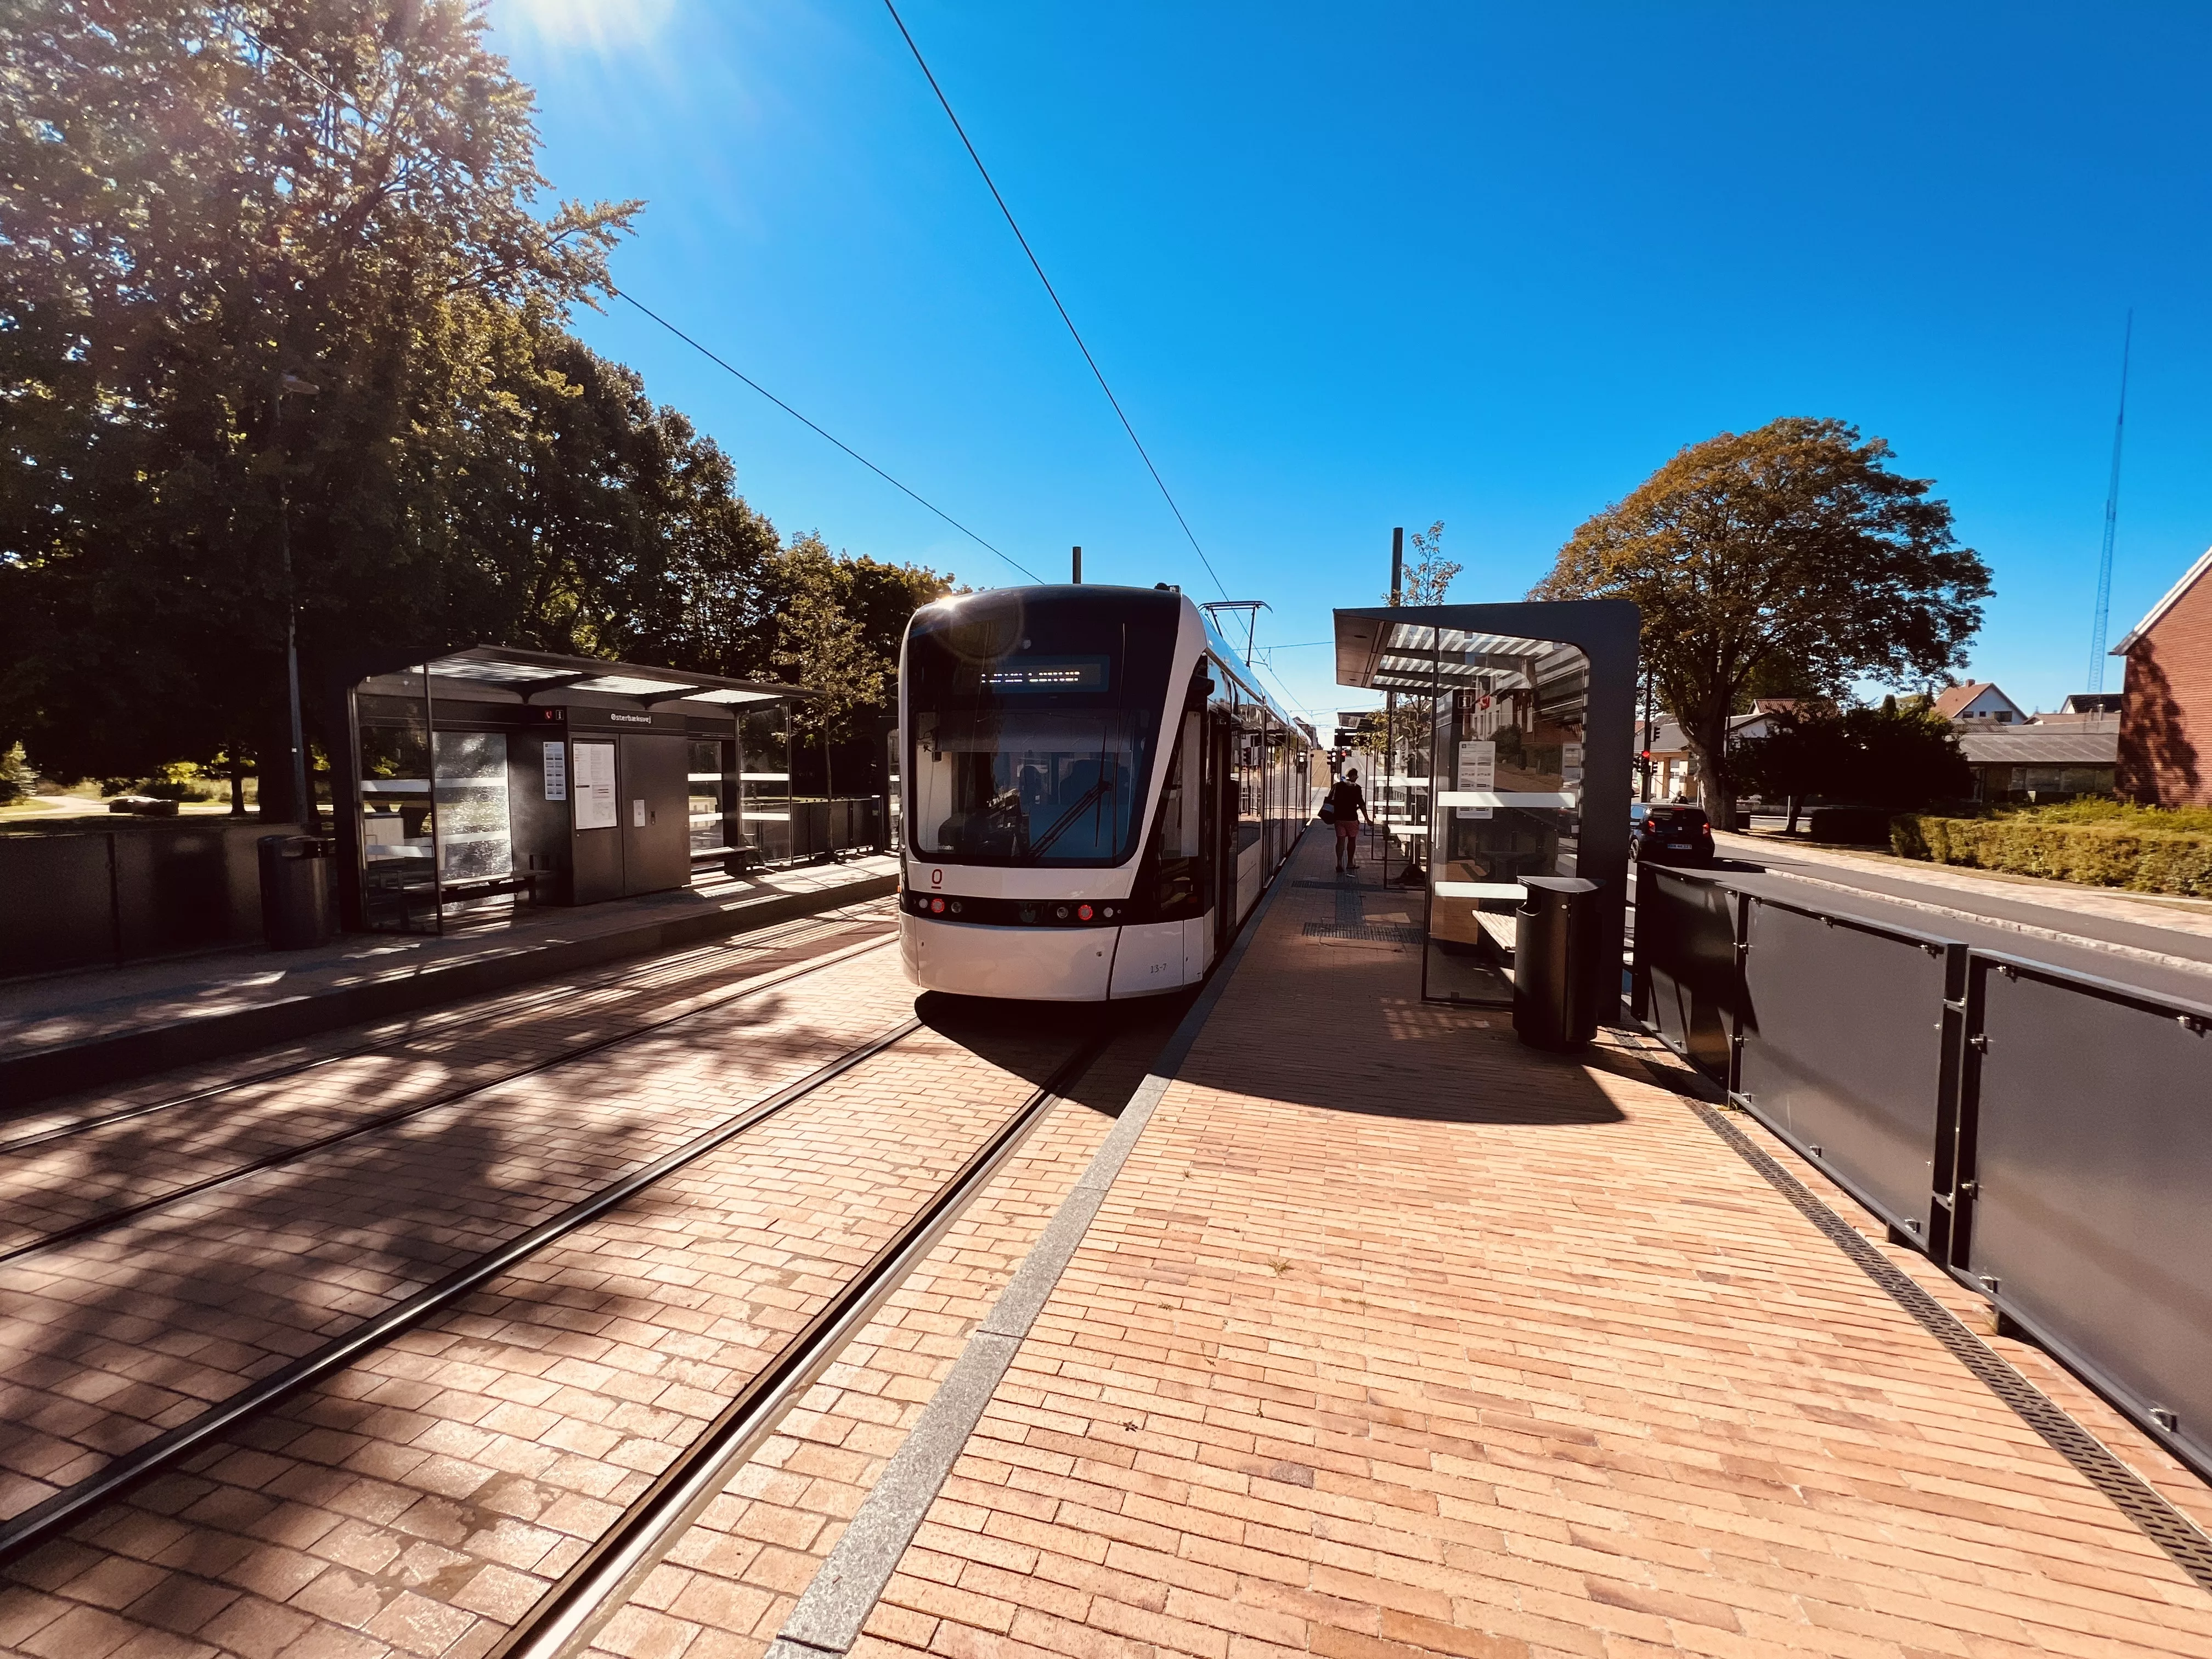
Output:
[[1074, 333], [729, 369]]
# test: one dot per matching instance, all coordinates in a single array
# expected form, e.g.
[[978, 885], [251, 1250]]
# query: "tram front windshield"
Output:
[[1032, 722]]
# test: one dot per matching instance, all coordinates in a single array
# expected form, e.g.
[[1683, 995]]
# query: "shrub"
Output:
[[15, 775], [2141, 849]]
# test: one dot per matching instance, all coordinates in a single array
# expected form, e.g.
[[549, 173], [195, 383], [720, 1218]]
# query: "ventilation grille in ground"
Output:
[[1381, 933], [2165, 1525]]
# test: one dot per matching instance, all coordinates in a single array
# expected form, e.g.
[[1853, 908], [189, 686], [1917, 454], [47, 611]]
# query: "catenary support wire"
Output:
[[727, 367], [1054, 294]]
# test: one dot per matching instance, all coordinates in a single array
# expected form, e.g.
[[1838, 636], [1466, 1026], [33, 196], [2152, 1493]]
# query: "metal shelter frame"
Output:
[[503, 674], [1428, 650]]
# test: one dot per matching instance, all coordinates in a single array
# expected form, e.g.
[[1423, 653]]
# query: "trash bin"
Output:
[[295, 905], [1555, 936]]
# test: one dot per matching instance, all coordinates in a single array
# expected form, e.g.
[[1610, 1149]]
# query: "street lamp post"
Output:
[[293, 386]]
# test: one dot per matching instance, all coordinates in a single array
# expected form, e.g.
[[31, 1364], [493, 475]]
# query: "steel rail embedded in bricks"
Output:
[[516, 1007], [601, 1581], [106, 1220], [44, 1520]]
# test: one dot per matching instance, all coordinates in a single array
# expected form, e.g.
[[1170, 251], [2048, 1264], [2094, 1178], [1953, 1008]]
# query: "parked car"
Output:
[[148, 806], [1669, 834]]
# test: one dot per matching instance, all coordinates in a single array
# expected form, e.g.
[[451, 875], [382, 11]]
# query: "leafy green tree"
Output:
[[1425, 579], [1898, 754], [203, 200], [1410, 717], [1797, 757], [838, 623], [822, 645], [1795, 544]]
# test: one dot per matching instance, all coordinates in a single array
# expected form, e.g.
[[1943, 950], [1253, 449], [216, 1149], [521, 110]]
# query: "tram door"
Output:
[[1221, 811]]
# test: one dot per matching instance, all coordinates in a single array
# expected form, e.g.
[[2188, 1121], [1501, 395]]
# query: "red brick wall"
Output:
[[2166, 721]]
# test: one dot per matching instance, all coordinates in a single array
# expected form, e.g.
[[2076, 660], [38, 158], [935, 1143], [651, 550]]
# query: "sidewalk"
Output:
[[1393, 1338], [64, 1031], [2163, 924]]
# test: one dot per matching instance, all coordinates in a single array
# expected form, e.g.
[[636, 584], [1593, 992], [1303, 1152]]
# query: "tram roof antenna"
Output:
[[2112, 519], [1252, 608]]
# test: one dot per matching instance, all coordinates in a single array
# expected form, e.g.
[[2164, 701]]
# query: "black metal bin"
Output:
[[1554, 931], [295, 906]]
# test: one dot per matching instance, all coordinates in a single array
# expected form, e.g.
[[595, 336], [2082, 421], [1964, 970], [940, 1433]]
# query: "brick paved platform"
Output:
[[67, 1031], [107, 1340], [420, 1501], [1396, 1338]]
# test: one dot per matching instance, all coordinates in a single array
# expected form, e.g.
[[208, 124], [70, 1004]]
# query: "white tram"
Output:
[[1095, 792]]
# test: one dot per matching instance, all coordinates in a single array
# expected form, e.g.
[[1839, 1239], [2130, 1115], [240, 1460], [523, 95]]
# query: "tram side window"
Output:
[[1251, 780], [1280, 792]]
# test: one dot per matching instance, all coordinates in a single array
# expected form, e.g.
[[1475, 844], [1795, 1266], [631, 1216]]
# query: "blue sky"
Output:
[[1349, 267]]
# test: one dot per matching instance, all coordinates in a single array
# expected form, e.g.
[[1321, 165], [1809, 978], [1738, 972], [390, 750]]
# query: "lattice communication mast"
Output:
[[2112, 519]]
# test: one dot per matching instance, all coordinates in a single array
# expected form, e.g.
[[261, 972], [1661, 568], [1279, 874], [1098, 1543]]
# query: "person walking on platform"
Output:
[[1347, 801]]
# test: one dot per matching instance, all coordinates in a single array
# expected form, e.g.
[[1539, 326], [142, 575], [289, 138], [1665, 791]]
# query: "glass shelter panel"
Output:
[[713, 772], [763, 825], [1507, 722], [474, 839], [398, 846]]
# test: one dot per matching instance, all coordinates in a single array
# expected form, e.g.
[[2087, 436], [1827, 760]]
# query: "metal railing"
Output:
[[83, 898], [2044, 1135]]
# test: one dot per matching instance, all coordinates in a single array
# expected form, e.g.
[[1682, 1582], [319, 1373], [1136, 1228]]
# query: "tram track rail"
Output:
[[107, 1220], [565, 1620], [50, 1517], [515, 1005]]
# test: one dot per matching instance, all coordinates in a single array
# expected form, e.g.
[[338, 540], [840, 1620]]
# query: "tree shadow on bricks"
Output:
[[108, 1339]]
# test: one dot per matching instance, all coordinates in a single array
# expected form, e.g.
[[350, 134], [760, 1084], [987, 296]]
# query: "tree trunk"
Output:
[[237, 786], [274, 749], [1716, 793], [1790, 828]]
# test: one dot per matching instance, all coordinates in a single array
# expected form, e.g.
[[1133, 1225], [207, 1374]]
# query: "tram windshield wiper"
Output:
[[1089, 799]]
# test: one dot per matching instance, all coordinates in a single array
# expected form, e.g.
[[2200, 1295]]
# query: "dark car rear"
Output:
[[1669, 834]]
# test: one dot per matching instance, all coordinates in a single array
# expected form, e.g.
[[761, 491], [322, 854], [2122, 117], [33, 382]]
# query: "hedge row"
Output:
[[2100, 856]]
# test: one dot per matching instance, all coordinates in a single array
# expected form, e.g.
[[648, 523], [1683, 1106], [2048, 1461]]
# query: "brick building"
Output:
[[2166, 716]]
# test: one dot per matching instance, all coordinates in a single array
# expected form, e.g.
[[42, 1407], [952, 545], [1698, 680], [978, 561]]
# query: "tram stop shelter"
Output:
[[494, 772], [1531, 730]]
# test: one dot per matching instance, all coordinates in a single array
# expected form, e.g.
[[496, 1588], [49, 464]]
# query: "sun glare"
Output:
[[598, 25]]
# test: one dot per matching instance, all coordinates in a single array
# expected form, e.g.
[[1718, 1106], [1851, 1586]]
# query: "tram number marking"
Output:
[[937, 878]]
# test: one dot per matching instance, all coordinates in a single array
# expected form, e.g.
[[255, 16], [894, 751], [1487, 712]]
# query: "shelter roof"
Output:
[[505, 671], [1384, 655]]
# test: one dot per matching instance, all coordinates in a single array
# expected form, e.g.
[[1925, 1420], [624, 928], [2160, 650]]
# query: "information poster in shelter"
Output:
[[557, 771], [1478, 769], [595, 785]]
